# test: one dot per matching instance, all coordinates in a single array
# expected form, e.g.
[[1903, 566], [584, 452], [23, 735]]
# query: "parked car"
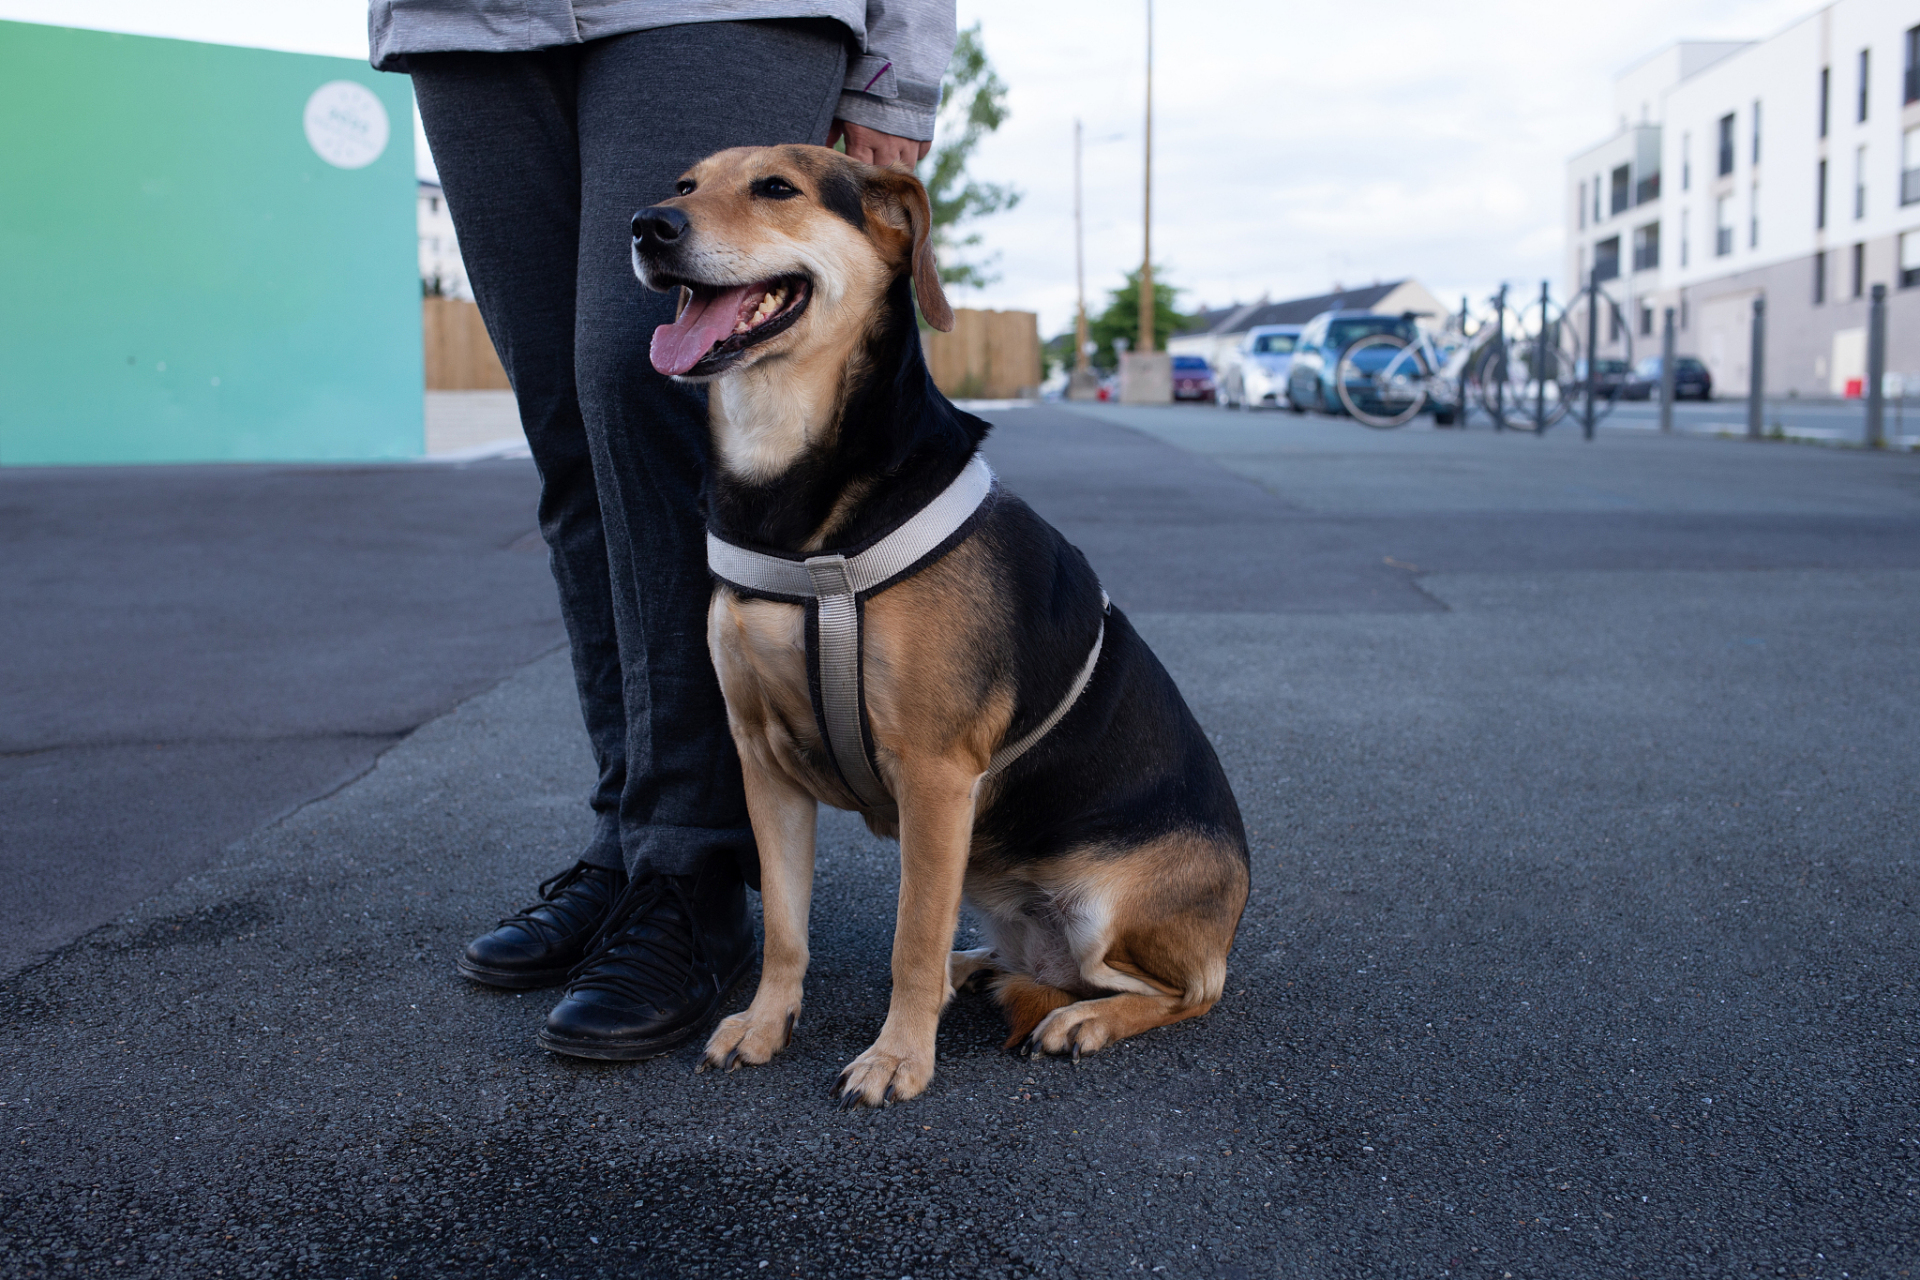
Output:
[[1690, 380], [1611, 378], [1255, 372], [1325, 339], [1192, 378]]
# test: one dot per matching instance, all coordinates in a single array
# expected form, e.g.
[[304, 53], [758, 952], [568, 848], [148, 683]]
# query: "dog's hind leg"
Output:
[[1027, 1004], [964, 968], [1090, 1025], [783, 819]]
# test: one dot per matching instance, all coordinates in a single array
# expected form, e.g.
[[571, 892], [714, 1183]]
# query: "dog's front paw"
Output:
[[751, 1037], [881, 1076], [1076, 1029]]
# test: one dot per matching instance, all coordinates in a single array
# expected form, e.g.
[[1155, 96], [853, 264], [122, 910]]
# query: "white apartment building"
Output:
[[1787, 168], [442, 273]]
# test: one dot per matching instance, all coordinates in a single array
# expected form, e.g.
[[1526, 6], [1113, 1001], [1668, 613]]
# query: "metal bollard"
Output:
[[1877, 368], [1757, 372], [1666, 375]]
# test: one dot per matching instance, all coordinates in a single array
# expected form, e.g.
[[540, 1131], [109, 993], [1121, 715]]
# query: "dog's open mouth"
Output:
[[717, 324]]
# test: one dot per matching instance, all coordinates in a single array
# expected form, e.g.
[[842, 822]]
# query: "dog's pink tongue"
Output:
[[708, 319]]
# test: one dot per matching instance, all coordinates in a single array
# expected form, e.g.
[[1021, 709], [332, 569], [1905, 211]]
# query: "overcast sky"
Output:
[[1296, 144]]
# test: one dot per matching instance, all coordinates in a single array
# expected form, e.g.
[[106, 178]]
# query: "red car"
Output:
[[1192, 379]]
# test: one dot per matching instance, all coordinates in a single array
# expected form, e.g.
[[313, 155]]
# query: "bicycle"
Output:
[[1385, 380]]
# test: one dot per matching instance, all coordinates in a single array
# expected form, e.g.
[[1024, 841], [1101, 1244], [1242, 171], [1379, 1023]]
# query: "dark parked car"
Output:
[[1192, 379], [1322, 342], [1611, 378], [1691, 381]]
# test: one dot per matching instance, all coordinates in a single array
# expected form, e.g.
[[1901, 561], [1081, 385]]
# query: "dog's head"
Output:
[[777, 249]]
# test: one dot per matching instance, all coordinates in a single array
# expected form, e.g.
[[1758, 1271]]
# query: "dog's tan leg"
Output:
[[783, 818], [1026, 1004], [936, 827], [1090, 1025], [964, 966]]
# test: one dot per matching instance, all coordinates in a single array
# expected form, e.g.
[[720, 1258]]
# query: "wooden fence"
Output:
[[460, 356], [990, 355]]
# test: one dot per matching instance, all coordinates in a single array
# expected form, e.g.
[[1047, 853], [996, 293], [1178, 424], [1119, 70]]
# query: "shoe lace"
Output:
[[557, 914], [649, 948]]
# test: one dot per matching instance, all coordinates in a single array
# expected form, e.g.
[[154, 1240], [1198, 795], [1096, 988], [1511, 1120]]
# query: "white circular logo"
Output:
[[346, 125]]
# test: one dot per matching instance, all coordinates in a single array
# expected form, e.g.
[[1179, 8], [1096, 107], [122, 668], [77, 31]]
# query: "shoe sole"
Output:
[[511, 979], [638, 1050]]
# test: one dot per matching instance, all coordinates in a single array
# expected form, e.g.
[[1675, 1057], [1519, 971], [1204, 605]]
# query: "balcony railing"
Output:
[[1607, 267], [1648, 188], [1913, 84], [1722, 242], [1646, 258], [1910, 187]]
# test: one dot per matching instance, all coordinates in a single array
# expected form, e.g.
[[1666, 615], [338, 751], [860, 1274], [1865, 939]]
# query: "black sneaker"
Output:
[[671, 950], [540, 946]]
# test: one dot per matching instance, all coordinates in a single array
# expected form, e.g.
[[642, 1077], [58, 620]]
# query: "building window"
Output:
[[1859, 182], [1859, 270], [1726, 144], [1910, 166], [1596, 197], [1910, 91], [1686, 162], [1606, 258], [1756, 133], [1819, 277], [1820, 197], [1646, 247], [1646, 320], [1864, 66], [1613, 324], [1648, 188], [1583, 206], [1621, 190], [1723, 226], [1683, 311], [1753, 217], [1683, 237], [1909, 259], [1826, 95]]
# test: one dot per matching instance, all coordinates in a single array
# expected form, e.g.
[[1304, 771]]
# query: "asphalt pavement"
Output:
[[1579, 779]]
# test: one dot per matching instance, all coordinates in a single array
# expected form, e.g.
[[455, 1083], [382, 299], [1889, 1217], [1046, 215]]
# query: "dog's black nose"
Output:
[[659, 225]]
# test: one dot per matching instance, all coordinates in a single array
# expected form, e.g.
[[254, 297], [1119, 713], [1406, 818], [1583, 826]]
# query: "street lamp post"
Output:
[[1081, 384], [1146, 374]]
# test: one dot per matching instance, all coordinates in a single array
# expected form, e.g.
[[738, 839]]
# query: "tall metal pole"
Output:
[[1082, 361], [1540, 350], [1666, 374], [1877, 367], [1593, 349], [1146, 256], [1757, 372], [1500, 352], [1461, 419]]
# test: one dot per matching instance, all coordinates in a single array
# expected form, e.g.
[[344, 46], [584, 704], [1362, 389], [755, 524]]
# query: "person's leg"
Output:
[[651, 103], [504, 137]]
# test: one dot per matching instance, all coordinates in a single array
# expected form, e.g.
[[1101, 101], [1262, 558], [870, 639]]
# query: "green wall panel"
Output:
[[182, 276]]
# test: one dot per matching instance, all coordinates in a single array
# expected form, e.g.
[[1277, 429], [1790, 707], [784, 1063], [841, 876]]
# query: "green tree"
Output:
[[1121, 319], [973, 103]]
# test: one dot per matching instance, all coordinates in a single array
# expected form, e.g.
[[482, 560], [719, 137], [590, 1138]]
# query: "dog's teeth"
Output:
[[739, 326]]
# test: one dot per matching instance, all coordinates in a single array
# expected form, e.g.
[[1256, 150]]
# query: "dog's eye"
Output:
[[775, 189], [683, 188]]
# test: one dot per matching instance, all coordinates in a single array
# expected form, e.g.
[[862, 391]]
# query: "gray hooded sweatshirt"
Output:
[[893, 76]]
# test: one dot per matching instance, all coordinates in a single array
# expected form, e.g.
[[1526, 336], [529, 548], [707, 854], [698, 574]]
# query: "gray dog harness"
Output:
[[834, 585]]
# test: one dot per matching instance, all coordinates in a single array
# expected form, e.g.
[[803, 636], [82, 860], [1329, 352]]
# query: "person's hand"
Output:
[[876, 147]]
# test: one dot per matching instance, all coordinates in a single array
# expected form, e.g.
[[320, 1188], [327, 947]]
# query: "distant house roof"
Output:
[[1239, 319]]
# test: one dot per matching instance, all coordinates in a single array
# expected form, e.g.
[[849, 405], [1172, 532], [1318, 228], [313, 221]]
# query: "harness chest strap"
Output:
[[836, 583]]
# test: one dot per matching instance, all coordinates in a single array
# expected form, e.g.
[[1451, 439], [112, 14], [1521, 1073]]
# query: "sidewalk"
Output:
[[1581, 945]]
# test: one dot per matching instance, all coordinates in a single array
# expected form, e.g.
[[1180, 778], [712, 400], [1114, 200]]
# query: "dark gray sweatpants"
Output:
[[545, 157]]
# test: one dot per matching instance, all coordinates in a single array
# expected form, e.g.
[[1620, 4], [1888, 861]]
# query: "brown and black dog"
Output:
[[1109, 863]]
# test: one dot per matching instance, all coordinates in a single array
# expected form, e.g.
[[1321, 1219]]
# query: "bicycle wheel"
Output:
[[1382, 380]]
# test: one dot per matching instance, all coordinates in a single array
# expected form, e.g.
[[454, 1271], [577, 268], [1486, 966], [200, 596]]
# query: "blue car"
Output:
[[1322, 342]]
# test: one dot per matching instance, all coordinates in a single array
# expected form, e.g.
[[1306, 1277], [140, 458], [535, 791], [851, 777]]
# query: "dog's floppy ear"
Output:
[[901, 191]]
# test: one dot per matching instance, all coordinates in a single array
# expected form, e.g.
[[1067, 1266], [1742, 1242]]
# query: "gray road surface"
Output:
[[188, 652], [1580, 785]]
